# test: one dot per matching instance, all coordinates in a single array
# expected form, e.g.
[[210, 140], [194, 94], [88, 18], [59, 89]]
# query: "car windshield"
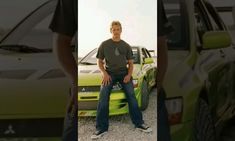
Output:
[[30, 32], [10, 18], [90, 59]]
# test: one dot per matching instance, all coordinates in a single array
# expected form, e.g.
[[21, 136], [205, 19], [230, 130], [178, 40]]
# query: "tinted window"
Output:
[[177, 16]]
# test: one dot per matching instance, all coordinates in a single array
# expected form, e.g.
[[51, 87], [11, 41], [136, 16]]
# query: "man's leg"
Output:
[[135, 113], [163, 129], [70, 122], [102, 117]]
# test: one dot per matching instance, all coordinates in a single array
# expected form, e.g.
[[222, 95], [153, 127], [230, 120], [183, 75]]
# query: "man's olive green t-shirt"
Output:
[[115, 54], [64, 20]]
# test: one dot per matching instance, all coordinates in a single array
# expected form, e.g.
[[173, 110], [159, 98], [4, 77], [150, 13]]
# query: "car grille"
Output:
[[116, 87], [87, 105], [88, 88], [92, 105]]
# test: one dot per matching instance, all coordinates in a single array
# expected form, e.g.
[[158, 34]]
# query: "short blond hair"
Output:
[[115, 23]]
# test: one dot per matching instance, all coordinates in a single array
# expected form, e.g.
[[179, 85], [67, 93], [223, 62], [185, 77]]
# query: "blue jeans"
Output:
[[163, 129], [70, 129], [102, 117]]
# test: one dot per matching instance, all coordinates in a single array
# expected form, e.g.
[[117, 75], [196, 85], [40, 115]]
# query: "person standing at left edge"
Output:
[[64, 26], [164, 28]]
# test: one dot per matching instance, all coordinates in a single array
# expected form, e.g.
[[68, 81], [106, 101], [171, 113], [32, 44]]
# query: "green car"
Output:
[[199, 83], [90, 79]]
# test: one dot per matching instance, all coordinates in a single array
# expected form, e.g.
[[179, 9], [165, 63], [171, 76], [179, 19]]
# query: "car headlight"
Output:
[[135, 83], [175, 110]]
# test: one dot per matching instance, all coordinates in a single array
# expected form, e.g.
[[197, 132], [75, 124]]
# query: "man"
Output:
[[164, 28], [116, 54], [64, 26]]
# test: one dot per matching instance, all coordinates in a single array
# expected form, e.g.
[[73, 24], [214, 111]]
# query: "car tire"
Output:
[[144, 95], [204, 129]]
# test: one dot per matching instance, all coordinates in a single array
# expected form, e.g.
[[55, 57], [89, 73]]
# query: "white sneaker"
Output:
[[98, 134], [144, 128]]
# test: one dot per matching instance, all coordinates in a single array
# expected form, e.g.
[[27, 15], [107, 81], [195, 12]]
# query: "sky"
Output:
[[138, 19]]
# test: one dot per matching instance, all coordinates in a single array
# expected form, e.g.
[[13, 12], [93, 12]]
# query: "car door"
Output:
[[213, 62], [148, 68], [227, 88]]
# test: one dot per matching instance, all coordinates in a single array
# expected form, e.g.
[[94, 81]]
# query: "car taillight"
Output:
[[175, 110], [135, 83]]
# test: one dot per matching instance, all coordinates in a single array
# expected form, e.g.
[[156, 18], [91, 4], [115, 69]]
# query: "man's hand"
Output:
[[106, 79], [127, 78]]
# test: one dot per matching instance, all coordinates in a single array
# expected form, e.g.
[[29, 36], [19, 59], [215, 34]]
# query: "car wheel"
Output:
[[144, 95], [204, 129]]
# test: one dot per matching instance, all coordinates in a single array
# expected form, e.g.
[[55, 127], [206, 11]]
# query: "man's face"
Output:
[[116, 31]]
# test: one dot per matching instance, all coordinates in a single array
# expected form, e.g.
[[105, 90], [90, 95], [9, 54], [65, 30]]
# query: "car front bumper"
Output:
[[88, 101]]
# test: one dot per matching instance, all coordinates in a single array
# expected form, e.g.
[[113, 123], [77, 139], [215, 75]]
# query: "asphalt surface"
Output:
[[121, 127]]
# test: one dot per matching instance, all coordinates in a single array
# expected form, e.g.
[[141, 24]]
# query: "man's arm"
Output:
[[106, 78], [63, 51], [64, 27], [130, 67], [101, 65], [164, 28], [162, 61], [130, 71]]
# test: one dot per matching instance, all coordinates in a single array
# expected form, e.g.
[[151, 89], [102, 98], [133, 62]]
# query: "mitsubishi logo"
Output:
[[83, 89], [9, 130]]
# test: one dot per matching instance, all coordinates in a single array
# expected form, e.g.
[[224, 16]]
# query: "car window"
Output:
[[203, 22], [144, 54], [136, 56], [216, 21], [148, 54], [177, 16], [206, 19], [201, 14]]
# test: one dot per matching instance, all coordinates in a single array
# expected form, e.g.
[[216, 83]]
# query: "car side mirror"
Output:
[[148, 61], [216, 39]]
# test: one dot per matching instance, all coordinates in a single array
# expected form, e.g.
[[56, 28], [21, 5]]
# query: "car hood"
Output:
[[28, 61], [29, 83], [90, 75]]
